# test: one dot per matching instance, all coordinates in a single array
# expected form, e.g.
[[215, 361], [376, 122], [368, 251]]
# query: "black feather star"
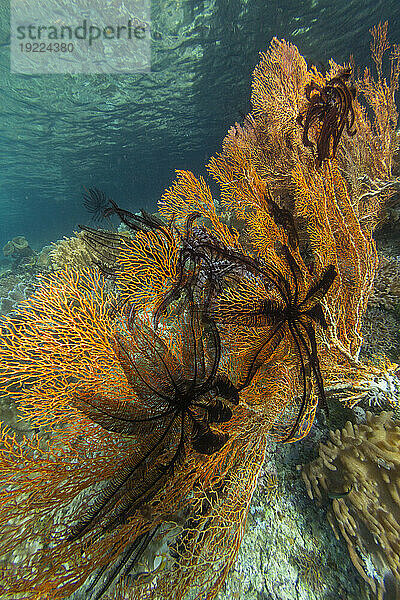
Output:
[[178, 401], [291, 311], [331, 109], [96, 203], [202, 264], [101, 207]]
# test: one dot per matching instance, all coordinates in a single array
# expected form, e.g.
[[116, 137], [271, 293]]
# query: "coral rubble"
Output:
[[386, 292]]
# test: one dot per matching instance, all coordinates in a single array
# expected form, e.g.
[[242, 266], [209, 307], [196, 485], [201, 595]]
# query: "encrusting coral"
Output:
[[159, 362], [359, 469]]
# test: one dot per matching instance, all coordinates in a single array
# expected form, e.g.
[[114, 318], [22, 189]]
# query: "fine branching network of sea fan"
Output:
[[153, 380]]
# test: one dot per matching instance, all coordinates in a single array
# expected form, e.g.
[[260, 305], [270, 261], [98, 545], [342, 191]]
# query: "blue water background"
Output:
[[127, 134]]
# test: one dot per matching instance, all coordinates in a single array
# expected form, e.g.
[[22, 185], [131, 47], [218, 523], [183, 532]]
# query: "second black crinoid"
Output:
[[330, 110], [176, 400]]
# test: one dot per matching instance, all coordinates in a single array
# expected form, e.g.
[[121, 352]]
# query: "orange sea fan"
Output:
[[338, 236], [145, 266], [189, 195], [84, 409], [211, 536], [332, 207], [68, 373], [268, 146], [45, 350], [269, 143]]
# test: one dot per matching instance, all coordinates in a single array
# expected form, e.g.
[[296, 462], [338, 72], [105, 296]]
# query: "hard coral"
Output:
[[359, 469], [19, 250], [71, 252]]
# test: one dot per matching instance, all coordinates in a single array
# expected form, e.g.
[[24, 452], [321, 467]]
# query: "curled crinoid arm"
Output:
[[283, 218], [142, 267], [160, 263], [169, 405], [104, 247], [330, 111], [119, 568], [183, 258], [143, 222], [159, 256]]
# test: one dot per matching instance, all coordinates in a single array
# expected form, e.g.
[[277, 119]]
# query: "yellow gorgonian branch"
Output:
[[189, 195]]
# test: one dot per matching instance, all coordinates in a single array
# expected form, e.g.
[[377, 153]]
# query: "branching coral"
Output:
[[138, 426]]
